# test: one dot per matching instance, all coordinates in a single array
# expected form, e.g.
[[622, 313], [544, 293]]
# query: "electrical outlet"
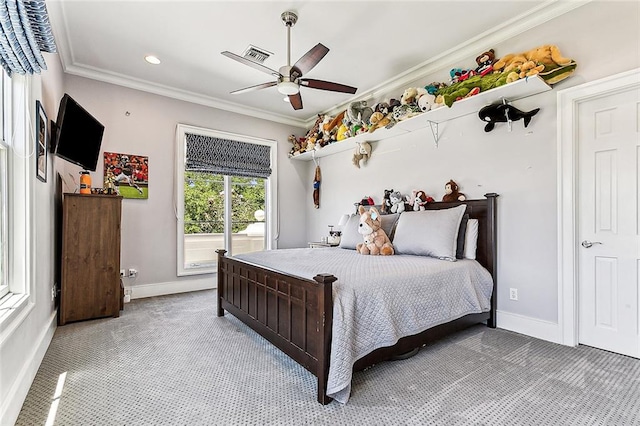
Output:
[[513, 293], [121, 273], [132, 272], [53, 293]]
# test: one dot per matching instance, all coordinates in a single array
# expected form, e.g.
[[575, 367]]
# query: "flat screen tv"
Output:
[[79, 134]]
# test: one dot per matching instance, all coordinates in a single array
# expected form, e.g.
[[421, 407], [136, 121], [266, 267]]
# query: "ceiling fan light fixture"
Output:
[[288, 88]]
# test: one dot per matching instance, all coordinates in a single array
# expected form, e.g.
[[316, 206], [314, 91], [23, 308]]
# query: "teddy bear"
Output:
[[376, 241], [362, 152], [426, 102], [452, 193], [485, 62], [397, 202]]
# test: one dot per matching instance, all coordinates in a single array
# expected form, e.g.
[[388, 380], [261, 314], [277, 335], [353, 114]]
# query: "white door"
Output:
[[608, 130]]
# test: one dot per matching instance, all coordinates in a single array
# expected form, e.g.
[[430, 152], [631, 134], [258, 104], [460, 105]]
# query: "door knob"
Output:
[[587, 244]]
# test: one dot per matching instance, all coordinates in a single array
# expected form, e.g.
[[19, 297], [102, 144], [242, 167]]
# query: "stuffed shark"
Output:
[[504, 113]]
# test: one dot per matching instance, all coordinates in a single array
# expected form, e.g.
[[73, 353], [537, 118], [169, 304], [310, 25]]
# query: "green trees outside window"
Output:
[[204, 202]]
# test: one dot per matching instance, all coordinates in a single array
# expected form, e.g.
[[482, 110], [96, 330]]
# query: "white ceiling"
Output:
[[374, 45]]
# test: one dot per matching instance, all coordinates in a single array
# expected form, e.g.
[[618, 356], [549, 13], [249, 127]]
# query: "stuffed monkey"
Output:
[[316, 188], [451, 192]]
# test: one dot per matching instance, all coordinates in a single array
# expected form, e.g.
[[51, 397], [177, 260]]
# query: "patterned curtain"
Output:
[[24, 33], [227, 157]]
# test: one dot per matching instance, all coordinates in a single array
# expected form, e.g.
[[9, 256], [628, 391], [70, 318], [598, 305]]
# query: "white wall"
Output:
[[520, 166], [22, 350], [149, 226]]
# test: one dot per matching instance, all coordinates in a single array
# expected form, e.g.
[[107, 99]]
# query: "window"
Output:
[[224, 196], [16, 200]]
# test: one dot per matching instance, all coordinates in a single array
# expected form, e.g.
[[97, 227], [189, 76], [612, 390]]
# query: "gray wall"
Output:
[[149, 226], [520, 166]]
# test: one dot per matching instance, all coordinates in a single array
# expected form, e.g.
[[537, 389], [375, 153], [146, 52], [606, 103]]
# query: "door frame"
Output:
[[568, 101]]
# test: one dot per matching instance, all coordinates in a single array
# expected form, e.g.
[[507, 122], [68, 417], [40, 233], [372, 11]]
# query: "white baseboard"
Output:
[[540, 329], [172, 287], [10, 408]]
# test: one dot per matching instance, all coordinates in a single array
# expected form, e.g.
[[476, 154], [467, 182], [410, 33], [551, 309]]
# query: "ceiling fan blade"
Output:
[[252, 64], [327, 85], [296, 101], [309, 60], [256, 87]]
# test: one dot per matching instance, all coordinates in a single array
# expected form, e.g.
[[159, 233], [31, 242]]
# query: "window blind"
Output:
[[25, 31], [227, 157]]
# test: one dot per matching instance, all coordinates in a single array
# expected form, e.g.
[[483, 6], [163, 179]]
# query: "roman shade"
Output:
[[227, 157], [25, 32]]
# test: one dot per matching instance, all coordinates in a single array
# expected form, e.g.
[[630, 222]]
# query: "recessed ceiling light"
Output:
[[152, 59]]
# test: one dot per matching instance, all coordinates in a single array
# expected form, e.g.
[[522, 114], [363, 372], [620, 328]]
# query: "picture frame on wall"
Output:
[[127, 174], [41, 142]]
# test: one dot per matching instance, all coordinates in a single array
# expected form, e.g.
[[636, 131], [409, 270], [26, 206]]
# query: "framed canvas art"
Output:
[[127, 173]]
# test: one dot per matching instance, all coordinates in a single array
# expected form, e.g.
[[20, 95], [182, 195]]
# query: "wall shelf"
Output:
[[509, 92]]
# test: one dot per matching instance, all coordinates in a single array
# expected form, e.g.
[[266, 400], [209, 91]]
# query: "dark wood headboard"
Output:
[[486, 254]]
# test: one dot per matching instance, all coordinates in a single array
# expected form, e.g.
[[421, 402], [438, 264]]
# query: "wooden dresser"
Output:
[[90, 257]]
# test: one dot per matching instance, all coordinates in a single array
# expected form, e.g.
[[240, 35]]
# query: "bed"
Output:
[[335, 319]]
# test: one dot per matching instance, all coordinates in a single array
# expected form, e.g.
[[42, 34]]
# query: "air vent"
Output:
[[256, 54]]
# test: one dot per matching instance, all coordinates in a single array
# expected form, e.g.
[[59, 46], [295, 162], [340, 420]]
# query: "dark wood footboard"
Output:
[[294, 314]]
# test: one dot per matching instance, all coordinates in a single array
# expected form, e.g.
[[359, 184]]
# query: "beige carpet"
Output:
[[170, 361]]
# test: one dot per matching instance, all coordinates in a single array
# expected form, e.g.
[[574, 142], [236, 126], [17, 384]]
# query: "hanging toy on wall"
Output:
[[504, 113], [316, 187]]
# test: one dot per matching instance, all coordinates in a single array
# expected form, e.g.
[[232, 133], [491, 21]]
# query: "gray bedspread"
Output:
[[379, 299]]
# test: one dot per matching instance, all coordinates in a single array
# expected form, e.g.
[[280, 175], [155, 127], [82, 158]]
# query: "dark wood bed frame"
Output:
[[295, 314]]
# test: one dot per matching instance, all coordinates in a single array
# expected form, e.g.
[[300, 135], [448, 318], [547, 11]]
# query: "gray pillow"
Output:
[[429, 233], [350, 236], [388, 223]]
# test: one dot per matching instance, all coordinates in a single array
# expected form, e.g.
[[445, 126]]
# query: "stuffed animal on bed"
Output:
[[376, 240]]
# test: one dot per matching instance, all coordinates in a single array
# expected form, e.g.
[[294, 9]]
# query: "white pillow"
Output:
[[429, 233], [471, 239], [350, 236]]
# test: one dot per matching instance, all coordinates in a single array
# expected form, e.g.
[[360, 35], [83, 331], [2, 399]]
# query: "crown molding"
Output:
[[542, 13], [179, 94]]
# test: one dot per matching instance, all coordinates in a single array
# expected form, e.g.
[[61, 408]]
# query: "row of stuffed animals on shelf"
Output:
[[545, 61], [396, 202]]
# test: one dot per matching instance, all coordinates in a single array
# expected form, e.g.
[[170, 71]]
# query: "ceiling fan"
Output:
[[289, 78]]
